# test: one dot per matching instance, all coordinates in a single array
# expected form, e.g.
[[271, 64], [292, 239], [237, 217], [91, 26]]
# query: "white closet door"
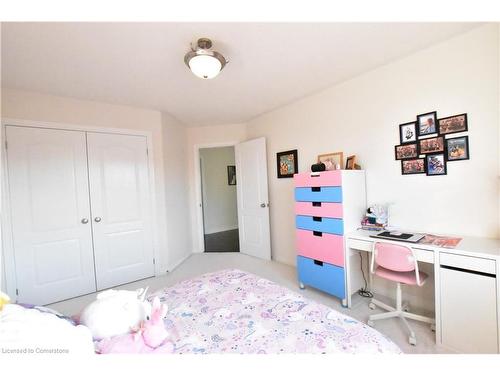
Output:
[[252, 197], [119, 190], [50, 214]]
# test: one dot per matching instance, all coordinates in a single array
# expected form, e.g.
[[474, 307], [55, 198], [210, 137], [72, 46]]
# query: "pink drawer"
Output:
[[330, 178], [327, 248], [321, 209]]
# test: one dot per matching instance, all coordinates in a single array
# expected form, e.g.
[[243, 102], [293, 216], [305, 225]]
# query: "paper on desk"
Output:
[[441, 241]]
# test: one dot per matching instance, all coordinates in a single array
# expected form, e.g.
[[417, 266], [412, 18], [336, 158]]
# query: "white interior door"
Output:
[[252, 196], [120, 199], [50, 212]]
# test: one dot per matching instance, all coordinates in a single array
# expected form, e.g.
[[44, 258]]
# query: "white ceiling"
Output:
[[141, 64]]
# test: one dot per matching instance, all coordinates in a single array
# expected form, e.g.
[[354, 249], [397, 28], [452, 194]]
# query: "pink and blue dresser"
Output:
[[327, 205]]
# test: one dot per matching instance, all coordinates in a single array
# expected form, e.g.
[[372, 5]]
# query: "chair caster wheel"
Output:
[[412, 340], [371, 323], [372, 306], [301, 286], [406, 309], [433, 327]]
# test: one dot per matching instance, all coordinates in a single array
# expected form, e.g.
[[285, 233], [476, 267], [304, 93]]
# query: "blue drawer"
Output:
[[322, 276], [319, 194], [320, 224]]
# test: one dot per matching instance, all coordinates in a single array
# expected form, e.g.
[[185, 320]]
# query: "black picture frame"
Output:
[[231, 175], [447, 148], [406, 125], [428, 170], [461, 130], [424, 171], [279, 156], [413, 156], [419, 129], [421, 151]]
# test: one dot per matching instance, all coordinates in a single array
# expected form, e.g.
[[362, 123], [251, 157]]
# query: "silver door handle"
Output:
[[263, 205], [97, 219], [85, 220]]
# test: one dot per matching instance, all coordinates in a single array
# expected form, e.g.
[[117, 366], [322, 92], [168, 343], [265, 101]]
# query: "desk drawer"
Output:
[[468, 263], [422, 255], [321, 246], [360, 245], [330, 178], [322, 276], [324, 209], [320, 224], [319, 194]]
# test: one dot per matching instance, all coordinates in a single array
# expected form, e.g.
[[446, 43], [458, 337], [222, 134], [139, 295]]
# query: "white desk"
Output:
[[467, 288]]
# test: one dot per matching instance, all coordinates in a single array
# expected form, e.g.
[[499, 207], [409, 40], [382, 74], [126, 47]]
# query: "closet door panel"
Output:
[[119, 185], [49, 194]]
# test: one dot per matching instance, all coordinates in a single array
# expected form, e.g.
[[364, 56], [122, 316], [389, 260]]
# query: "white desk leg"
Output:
[[370, 276], [437, 298]]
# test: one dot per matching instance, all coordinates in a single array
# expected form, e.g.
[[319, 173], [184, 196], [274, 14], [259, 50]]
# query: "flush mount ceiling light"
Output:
[[203, 62]]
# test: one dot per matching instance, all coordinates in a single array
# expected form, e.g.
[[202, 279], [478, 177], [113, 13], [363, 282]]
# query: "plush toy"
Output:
[[116, 312], [4, 299], [150, 338]]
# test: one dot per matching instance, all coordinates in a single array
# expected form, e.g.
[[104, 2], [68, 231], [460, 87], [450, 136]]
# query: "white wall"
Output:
[[48, 108], [220, 211], [179, 243], [361, 117], [199, 137]]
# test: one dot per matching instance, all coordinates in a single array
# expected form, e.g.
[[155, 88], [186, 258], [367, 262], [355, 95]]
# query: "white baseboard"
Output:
[[178, 263]]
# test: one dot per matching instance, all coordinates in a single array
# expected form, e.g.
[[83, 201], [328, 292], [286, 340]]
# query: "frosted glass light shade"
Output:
[[205, 66]]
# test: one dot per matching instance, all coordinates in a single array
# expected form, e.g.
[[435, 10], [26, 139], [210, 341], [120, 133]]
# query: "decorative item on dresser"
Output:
[[332, 161], [327, 204]]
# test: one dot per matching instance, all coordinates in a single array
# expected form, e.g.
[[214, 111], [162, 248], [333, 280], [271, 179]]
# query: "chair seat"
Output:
[[408, 278]]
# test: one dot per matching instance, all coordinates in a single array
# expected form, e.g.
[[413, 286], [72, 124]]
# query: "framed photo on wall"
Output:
[[287, 163], [413, 166], [453, 124], [435, 164], [427, 123], [231, 175], [408, 151], [407, 132], [431, 145], [457, 148]]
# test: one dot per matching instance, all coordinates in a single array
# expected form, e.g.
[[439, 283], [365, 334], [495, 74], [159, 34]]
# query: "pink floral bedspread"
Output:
[[232, 311]]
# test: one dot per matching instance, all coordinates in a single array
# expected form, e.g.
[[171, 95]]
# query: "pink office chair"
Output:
[[397, 263]]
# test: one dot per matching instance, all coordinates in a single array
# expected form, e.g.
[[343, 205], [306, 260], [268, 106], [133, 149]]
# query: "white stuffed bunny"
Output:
[[116, 312]]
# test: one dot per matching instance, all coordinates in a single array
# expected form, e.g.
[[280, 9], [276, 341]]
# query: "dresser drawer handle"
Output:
[[317, 218], [316, 188], [316, 204], [317, 234], [318, 263]]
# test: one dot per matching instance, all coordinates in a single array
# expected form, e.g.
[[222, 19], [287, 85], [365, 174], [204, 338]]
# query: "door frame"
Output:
[[7, 243], [199, 226]]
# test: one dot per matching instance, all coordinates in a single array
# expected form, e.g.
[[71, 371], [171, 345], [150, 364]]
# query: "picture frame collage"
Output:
[[425, 146]]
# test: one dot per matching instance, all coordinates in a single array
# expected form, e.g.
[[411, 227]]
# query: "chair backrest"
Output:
[[394, 257]]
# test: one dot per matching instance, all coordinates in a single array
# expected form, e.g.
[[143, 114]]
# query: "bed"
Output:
[[233, 311]]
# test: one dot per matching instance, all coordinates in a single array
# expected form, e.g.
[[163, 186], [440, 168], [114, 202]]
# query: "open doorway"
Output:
[[219, 200]]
